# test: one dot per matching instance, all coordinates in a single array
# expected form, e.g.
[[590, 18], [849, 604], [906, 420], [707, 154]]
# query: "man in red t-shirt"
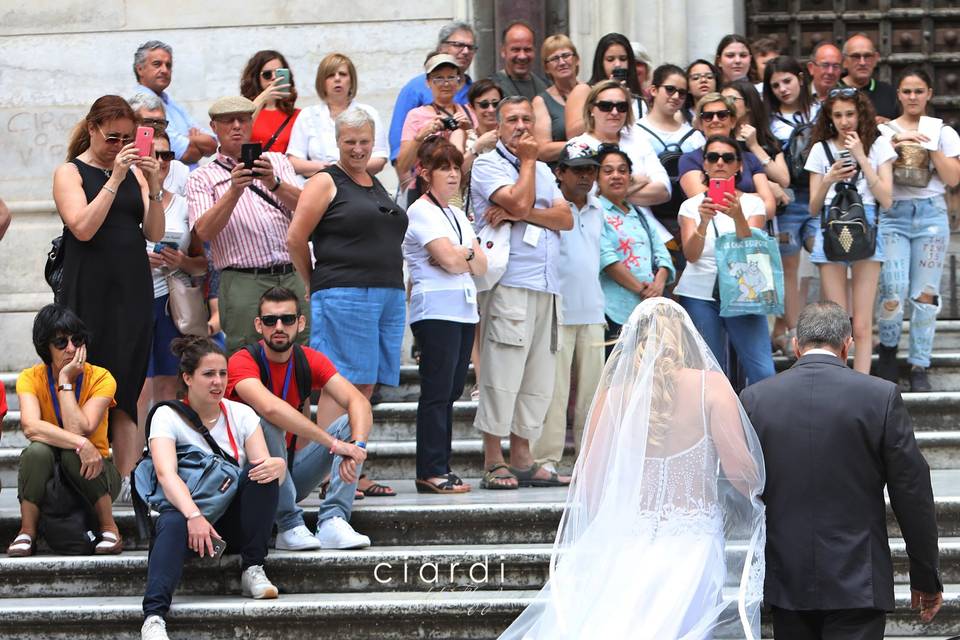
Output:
[[338, 450]]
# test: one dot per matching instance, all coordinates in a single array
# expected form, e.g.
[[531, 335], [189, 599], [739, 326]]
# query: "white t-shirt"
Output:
[[167, 423], [949, 145], [639, 151], [881, 151], [699, 277], [177, 230], [176, 180], [314, 136], [694, 141], [782, 130], [438, 294]]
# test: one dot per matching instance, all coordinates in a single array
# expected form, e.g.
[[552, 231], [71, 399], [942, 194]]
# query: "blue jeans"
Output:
[[916, 234], [310, 466], [749, 334]]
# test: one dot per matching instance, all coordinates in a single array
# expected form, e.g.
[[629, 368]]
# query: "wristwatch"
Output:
[[158, 197], [359, 443], [276, 184], [471, 255], [65, 387]]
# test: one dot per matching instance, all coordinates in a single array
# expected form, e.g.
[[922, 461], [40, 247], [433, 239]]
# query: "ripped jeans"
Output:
[[916, 234]]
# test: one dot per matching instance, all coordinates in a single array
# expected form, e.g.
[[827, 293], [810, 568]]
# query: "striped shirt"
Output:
[[256, 233]]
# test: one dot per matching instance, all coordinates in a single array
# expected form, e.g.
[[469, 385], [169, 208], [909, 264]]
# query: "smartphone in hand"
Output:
[[620, 74], [718, 187], [144, 141], [846, 158], [249, 153], [283, 78], [219, 546]]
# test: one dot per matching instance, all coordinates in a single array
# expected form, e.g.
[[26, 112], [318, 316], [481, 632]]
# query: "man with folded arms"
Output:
[[244, 214]]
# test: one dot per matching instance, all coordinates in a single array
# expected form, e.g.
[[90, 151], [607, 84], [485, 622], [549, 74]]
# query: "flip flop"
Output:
[[110, 544], [494, 482], [22, 546], [525, 477]]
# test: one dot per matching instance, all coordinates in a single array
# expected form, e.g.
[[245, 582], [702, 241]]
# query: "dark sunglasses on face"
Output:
[[288, 319], [670, 89], [166, 156], [846, 92], [267, 74], [607, 106], [710, 115], [713, 156], [487, 104], [60, 342]]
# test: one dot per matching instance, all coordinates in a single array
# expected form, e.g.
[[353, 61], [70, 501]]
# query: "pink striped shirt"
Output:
[[256, 233]]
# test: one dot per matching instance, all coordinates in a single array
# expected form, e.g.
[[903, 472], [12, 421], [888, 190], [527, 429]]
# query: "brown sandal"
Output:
[[451, 484], [491, 480]]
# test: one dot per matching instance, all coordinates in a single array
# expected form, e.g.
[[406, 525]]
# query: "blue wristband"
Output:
[[359, 443]]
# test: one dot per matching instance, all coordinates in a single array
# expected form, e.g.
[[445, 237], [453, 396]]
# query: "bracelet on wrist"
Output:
[[702, 235], [195, 514], [111, 190], [359, 443]]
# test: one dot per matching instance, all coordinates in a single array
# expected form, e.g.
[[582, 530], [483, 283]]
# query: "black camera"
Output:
[[450, 123]]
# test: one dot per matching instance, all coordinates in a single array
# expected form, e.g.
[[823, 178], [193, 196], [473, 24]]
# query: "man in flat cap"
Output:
[[243, 208]]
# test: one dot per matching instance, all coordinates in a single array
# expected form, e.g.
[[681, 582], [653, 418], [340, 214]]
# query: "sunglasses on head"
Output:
[[288, 319], [713, 156], [114, 138], [670, 89], [166, 156], [710, 115], [607, 106], [60, 342], [846, 92], [487, 104]]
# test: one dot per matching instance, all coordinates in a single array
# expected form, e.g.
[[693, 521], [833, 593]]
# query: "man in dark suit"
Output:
[[832, 438]]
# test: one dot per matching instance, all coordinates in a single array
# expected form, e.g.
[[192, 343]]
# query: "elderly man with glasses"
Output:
[[860, 59], [824, 68], [243, 210]]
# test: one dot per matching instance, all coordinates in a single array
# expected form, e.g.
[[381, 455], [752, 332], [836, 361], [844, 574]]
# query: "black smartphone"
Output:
[[620, 74], [250, 152]]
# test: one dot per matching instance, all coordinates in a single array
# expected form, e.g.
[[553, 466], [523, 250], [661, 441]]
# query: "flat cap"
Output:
[[231, 104]]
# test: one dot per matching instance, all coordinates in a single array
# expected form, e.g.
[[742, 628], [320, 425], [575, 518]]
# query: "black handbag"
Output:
[[67, 519], [53, 270], [847, 234]]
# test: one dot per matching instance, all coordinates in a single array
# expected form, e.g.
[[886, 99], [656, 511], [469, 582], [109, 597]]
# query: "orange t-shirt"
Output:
[[97, 382]]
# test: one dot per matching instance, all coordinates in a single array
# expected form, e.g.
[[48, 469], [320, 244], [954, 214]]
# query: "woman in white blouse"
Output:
[[313, 143]]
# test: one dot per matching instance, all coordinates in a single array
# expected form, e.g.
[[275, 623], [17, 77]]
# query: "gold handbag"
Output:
[[186, 305], [912, 166]]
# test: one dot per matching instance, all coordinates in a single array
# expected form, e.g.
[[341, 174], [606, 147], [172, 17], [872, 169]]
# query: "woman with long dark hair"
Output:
[[734, 59], [273, 97]]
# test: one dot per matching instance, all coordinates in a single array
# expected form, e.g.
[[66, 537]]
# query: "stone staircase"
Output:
[[440, 566]]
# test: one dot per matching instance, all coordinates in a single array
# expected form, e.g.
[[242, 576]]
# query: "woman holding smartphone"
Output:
[[846, 126], [246, 525], [267, 81]]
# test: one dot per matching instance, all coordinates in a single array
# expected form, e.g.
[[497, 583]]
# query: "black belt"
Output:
[[272, 270]]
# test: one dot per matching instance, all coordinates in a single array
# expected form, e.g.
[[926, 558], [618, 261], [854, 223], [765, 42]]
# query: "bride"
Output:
[[662, 534]]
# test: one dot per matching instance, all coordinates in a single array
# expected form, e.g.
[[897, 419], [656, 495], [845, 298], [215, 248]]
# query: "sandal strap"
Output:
[[454, 478], [24, 539], [109, 536]]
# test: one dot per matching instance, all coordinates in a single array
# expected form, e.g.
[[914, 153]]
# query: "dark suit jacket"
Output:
[[832, 438]]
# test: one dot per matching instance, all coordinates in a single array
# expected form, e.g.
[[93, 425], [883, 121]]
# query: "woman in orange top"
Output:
[[273, 97], [63, 406]]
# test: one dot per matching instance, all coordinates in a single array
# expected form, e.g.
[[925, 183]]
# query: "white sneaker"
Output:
[[124, 498], [336, 533], [255, 584], [296, 539], [154, 628]]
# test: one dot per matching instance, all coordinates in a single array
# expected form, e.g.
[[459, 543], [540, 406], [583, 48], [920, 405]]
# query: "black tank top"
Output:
[[358, 240]]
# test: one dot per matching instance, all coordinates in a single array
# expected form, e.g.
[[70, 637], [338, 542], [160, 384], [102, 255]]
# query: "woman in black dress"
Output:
[[109, 199]]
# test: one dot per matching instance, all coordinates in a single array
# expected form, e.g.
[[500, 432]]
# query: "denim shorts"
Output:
[[162, 361], [819, 257], [360, 330], [795, 226]]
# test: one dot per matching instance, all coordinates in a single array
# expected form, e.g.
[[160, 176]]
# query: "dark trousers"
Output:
[[245, 527], [444, 357], [838, 624]]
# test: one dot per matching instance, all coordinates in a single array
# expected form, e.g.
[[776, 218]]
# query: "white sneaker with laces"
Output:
[[154, 628], [124, 498], [297, 539], [256, 585], [336, 533]]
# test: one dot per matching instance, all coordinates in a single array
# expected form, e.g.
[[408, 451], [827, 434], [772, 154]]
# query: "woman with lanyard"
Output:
[[443, 253], [63, 413], [246, 525], [442, 118]]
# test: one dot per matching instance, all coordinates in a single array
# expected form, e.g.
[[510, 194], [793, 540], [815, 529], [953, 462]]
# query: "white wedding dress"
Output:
[[662, 535]]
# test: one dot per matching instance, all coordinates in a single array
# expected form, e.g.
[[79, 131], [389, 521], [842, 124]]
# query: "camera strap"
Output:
[[257, 190]]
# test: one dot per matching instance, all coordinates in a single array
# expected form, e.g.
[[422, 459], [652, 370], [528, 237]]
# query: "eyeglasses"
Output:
[[861, 56], [845, 92], [288, 319], [736, 98], [707, 116], [670, 89], [60, 342], [114, 139], [242, 118], [487, 104], [437, 80], [566, 55], [165, 156], [696, 77], [827, 66], [156, 123], [713, 156], [456, 44], [607, 106]]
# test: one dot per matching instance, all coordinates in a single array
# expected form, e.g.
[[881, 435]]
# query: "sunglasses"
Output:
[[707, 116], [713, 156], [267, 74], [670, 89], [607, 106], [113, 138], [288, 320], [60, 342], [487, 104], [156, 123], [846, 92], [166, 156]]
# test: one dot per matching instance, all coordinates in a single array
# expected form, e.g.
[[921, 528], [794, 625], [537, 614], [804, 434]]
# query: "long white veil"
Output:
[[662, 534]]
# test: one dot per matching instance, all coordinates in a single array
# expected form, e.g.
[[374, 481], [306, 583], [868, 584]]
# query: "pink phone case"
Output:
[[718, 187], [144, 141]]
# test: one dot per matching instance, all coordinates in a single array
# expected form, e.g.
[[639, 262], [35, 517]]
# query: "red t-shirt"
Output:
[[267, 123], [243, 366]]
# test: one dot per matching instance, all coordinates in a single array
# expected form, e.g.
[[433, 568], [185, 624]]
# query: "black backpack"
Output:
[[67, 519], [797, 149], [666, 212], [847, 234], [302, 376]]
